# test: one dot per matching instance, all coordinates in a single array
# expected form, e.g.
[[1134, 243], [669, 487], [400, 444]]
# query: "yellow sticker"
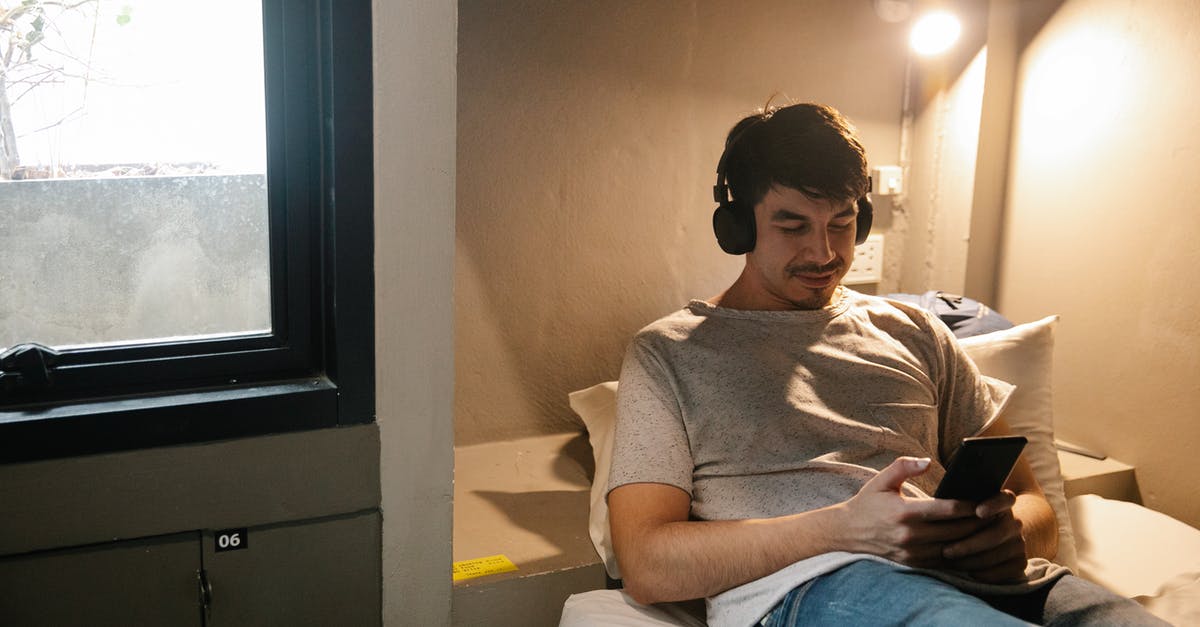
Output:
[[479, 567]]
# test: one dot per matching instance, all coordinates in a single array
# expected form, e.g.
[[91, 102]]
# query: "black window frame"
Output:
[[316, 367]]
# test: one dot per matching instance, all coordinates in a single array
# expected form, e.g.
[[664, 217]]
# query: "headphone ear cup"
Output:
[[866, 214], [735, 233]]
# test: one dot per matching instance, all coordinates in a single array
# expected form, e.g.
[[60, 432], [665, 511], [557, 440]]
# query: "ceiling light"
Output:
[[934, 33]]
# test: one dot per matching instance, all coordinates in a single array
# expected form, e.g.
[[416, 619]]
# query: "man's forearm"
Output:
[[1039, 525], [665, 557], [691, 559]]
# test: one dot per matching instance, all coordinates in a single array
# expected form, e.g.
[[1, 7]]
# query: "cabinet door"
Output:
[[316, 572], [150, 581]]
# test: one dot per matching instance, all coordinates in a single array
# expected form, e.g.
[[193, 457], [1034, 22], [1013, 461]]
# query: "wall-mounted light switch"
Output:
[[886, 180], [868, 262]]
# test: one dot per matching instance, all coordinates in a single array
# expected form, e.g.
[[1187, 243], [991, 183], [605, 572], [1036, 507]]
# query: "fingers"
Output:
[[996, 555], [944, 532], [923, 543], [896, 473], [983, 539], [932, 510], [996, 505], [998, 542]]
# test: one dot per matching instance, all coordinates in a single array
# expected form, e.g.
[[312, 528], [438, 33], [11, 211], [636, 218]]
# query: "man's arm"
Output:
[[1019, 524], [664, 556]]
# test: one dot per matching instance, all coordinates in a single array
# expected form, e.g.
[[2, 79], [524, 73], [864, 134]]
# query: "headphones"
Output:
[[733, 220]]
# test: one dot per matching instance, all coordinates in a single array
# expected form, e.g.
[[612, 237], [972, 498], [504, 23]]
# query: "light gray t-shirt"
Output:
[[767, 413]]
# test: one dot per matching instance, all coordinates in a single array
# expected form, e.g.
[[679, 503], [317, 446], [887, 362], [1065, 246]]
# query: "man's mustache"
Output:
[[812, 268]]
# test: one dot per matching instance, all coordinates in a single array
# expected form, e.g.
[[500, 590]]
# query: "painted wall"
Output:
[[936, 222], [588, 137], [414, 276], [1102, 228]]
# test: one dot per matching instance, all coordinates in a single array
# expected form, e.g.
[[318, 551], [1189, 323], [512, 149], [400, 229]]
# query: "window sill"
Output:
[[38, 432]]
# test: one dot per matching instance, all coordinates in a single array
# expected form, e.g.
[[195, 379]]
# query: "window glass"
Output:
[[133, 193]]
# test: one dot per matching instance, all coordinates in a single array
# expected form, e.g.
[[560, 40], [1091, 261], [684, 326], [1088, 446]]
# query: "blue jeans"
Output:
[[867, 592]]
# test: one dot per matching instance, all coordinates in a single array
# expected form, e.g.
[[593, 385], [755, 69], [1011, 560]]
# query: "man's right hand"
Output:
[[880, 520]]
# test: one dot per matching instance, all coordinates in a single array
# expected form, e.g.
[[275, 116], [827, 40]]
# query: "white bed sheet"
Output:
[[615, 608]]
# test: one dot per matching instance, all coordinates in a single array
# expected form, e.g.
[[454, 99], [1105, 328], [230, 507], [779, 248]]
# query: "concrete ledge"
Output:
[[534, 601], [526, 499], [1106, 477]]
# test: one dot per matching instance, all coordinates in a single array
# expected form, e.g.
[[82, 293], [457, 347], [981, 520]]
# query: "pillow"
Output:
[[1158, 566], [597, 406], [1024, 356], [1161, 555]]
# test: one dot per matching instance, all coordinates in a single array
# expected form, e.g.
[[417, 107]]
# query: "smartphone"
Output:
[[980, 466]]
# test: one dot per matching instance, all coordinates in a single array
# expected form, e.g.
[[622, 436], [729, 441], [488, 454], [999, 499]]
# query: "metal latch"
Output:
[[28, 365], [206, 596]]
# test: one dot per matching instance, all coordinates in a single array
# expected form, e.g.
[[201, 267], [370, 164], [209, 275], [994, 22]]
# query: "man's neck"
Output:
[[745, 294]]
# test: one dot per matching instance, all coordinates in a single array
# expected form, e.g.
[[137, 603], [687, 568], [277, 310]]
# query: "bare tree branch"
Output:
[[24, 28], [50, 77], [63, 120]]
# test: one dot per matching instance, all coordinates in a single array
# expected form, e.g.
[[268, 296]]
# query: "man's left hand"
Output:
[[996, 552]]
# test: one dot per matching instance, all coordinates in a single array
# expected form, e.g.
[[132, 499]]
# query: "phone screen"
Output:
[[980, 467]]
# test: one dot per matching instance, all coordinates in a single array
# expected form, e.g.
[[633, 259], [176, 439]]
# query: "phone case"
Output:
[[980, 467]]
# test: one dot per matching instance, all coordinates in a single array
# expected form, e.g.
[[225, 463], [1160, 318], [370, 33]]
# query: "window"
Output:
[[256, 298], [137, 172]]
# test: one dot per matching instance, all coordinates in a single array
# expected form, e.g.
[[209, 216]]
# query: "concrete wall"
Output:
[[588, 137], [941, 182], [1102, 228], [937, 226], [414, 79], [164, 257]]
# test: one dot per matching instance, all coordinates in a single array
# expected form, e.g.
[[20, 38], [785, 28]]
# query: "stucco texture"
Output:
[[588, 137]]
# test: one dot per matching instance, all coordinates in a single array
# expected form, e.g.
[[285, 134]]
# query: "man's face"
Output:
[[803, 250]]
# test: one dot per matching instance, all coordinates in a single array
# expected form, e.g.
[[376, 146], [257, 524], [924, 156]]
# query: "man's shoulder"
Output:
[[675, 326], [893, 314]]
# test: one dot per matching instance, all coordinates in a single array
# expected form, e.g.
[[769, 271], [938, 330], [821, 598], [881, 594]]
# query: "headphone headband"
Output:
[[733, 221]]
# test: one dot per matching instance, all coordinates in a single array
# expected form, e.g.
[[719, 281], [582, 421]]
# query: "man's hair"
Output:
[[808, 147]]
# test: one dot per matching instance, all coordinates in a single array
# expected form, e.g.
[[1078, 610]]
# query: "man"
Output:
[[776, 445]]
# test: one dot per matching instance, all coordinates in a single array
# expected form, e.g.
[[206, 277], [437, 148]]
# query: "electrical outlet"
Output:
[[868, 262]]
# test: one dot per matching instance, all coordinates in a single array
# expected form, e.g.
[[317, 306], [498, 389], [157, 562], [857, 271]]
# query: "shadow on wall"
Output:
[[558, 516]]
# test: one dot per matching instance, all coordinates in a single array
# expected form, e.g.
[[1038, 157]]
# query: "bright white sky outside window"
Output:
[[133, 259], [181, 82]]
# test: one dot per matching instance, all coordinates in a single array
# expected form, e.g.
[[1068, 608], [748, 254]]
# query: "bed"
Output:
[[1158, 565]]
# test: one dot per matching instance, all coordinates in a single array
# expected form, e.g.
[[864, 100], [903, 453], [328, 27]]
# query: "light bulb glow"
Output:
[[935, 33]]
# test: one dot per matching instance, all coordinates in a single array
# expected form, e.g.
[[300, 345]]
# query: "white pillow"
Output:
[[597, 406], [1132, 550], [1140, 553], [1024, 356]]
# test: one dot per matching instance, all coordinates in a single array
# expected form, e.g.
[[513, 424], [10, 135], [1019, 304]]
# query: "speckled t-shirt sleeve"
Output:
[[650, 442], [969, 402]]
